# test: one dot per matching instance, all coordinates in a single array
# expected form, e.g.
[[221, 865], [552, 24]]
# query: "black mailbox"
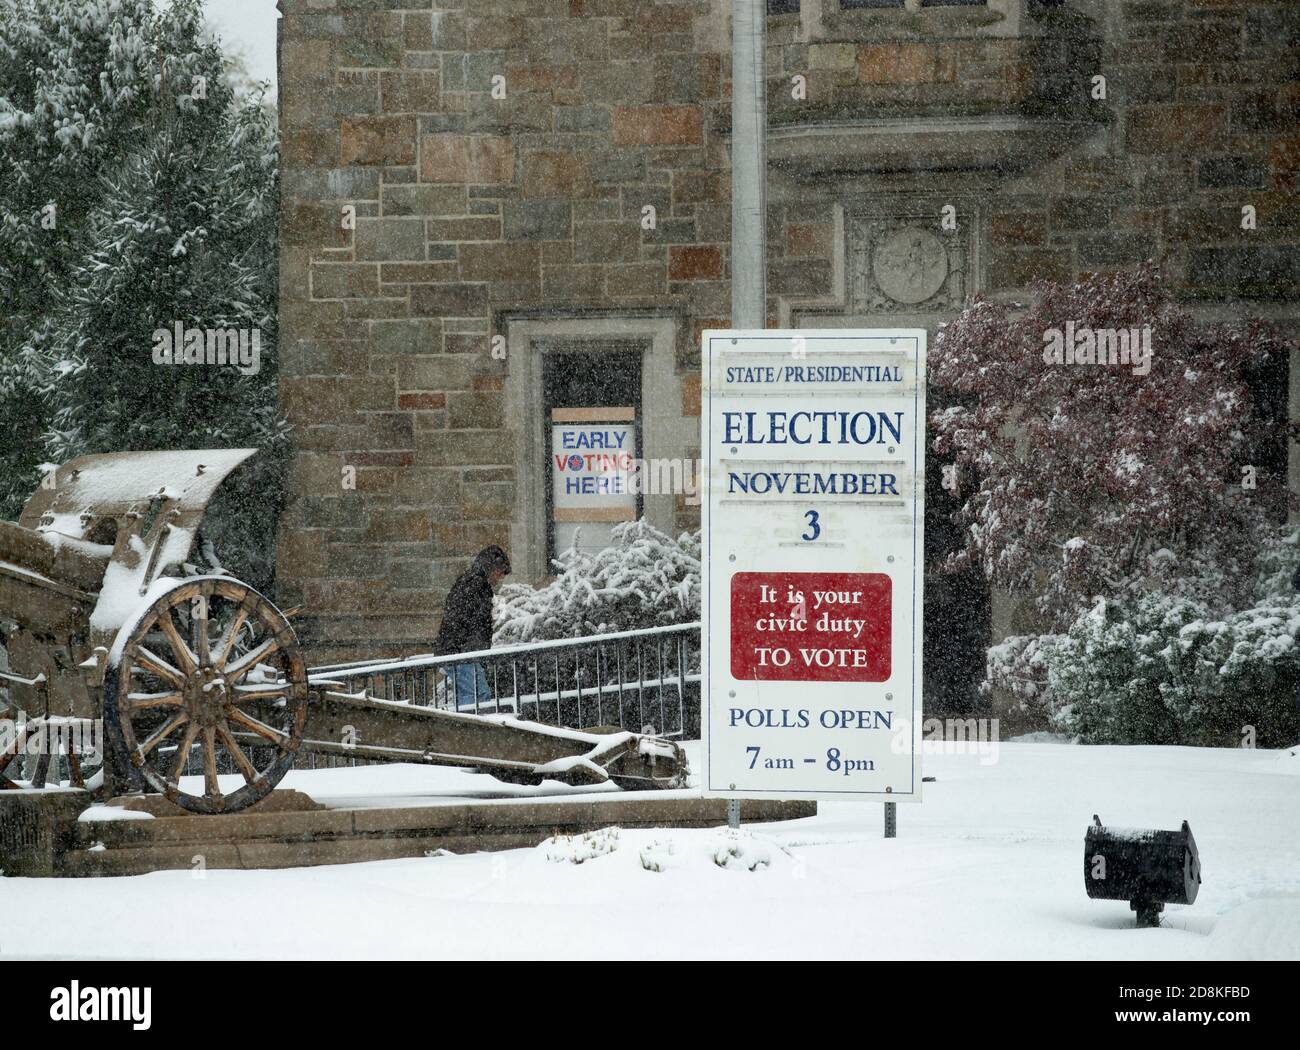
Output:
[[1147, 868]]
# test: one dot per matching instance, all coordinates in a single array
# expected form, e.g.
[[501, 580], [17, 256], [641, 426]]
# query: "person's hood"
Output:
[[491, 559]]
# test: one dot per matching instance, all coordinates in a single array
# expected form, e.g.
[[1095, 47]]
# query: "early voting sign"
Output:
[[593, 465], [814, 493]]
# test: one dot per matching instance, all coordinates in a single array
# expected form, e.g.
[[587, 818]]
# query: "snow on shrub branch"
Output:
[[644, 579], [1160, 668]]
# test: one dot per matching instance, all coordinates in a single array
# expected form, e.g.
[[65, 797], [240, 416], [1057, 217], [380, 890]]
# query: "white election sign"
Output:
[[814, 504]]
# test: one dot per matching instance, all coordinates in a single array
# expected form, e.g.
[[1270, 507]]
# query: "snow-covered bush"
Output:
[[1166, 663], [1015, 682], [1165, 670], [578, 849], [1239, 672], [645, 579], [1106, 676]]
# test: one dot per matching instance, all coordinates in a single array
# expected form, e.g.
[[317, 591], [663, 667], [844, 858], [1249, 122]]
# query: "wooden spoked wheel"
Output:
[[210, 673]]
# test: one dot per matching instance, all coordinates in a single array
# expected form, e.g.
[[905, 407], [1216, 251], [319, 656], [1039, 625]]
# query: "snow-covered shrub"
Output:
[[578, 849], [1165, 662], [728, 848], [1239, 672], [659, 855], [1015, 682], [740, 850], [1106, 675], [1165, 670], [645, 579]]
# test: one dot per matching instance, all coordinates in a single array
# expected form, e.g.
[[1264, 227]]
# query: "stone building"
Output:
[[500, 158]]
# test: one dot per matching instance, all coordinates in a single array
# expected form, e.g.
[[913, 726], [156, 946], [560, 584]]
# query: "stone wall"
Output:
[[470, 210], [478, 215], [1201, 117]]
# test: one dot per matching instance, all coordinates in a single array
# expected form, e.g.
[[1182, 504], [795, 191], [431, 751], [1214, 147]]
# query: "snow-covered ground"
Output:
[[990, 865]]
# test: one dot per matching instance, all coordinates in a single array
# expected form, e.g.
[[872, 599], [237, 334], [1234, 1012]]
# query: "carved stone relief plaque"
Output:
[[910, 265], [901, 257]]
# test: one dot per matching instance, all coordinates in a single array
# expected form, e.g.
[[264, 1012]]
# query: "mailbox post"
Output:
[[1147, 868]]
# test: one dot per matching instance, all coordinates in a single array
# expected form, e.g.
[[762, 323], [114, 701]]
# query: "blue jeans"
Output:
[[471, 685]]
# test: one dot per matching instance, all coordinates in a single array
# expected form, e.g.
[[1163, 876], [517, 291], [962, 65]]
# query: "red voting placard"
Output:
[[810, 626]]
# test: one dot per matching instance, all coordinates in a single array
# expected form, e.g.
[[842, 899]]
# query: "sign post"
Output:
[[812, 537]]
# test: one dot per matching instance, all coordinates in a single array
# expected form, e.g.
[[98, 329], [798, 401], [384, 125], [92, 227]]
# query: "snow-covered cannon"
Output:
[[109, 621], [116, 637], [1147, 868], [97, 541]]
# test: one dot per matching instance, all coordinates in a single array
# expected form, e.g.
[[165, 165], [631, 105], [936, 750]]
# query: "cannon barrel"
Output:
[[72, 562]]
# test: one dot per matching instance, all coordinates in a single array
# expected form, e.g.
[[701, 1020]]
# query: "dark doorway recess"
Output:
[[958, 620], [1269, 384]]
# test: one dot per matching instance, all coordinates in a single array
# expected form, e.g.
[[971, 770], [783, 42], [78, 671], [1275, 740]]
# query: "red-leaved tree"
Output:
[[1086, 479]]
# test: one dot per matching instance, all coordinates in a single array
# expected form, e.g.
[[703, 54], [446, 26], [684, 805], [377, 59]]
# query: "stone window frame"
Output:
[[826, 20], [664, 430]]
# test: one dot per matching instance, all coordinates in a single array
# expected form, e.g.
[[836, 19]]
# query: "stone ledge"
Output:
[[308, 838], [847, 148], [36, 827]]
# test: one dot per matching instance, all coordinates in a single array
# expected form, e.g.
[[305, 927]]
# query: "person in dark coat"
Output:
[[467, 624]]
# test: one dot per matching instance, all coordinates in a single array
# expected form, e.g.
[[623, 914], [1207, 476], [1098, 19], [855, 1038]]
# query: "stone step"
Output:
[[645, 810], [303, 839], [270, 854], [239, 827]]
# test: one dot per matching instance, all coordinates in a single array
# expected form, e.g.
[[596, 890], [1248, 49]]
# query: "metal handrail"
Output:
[[428, 659], [629, 679]]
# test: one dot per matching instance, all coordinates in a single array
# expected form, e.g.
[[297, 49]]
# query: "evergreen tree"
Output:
[[71, 87], [168, 216]]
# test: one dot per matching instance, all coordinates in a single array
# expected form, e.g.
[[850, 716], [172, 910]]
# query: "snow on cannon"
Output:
[[109, 621], [112, 624], [1147, 868]]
